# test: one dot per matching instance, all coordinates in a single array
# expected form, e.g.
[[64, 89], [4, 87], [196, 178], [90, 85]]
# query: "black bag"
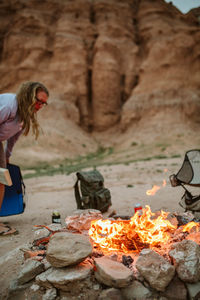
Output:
[[94, 195], [13, 201]]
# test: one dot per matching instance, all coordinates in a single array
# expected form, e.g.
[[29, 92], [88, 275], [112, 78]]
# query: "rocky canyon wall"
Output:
[[108, 61]]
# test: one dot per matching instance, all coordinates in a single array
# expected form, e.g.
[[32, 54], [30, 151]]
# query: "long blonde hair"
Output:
[[26, 106]]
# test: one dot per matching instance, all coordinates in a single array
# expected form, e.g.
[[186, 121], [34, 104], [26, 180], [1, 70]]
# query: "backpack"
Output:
[[94, 195]]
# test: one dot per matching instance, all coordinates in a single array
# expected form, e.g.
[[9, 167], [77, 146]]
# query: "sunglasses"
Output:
[[41, 102]]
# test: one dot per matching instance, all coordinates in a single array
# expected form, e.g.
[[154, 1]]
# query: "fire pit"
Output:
[[149, 255]]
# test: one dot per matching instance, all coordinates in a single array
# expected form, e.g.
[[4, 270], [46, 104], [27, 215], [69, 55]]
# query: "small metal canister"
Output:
[[138, 208], [56, 217]]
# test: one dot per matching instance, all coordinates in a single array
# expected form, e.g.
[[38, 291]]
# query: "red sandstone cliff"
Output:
[[106, 63]]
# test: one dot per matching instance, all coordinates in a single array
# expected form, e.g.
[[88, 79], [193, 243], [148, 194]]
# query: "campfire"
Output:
[[146, 230], [91, 256]]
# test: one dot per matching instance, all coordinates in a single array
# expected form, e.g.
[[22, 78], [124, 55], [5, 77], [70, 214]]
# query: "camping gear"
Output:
[[189, 174], [13, 202], [91, 193]]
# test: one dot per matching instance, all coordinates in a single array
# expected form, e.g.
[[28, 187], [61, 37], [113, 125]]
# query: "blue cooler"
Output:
[[13, 202]]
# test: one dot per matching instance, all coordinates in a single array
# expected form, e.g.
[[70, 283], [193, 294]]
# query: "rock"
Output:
[[50, 294], [9, 256], [107, 99], [44, 232], [30, 270], [35, 292], [194, 236], [184, 218], [110, 294], [118, 60], [84, 294], [155, 269], [136, 291], [16, 290], [193, 290], [68, 279], [34, 287], [96, 286], [87, 212], [197, 216], [81, 219], [175, 290], [24, 292], [54, 226], [47, 264], [41, 279], [65, 249], [112, 273], [186, 258]]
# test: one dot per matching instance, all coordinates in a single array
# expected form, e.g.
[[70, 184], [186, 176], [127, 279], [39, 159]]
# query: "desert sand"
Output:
[[128, 185]]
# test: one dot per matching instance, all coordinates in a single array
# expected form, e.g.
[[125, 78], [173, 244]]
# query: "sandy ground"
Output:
[[128, 185]]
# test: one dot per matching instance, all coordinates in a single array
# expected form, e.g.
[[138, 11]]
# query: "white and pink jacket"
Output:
[[10, 127]]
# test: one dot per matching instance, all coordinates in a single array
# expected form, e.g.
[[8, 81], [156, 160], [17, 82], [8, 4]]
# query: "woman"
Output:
[[17, 116]]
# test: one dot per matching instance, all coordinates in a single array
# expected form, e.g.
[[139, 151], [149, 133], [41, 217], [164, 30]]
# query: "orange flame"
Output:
[[153, 190], [190, 225], [152, 231], [126, 235]]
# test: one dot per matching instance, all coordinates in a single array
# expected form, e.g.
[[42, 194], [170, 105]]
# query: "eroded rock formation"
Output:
[[108, 61]]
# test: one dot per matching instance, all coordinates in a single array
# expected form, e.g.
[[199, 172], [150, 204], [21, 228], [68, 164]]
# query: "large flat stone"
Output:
[[66, 249], [65, 278], [112, 273]]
